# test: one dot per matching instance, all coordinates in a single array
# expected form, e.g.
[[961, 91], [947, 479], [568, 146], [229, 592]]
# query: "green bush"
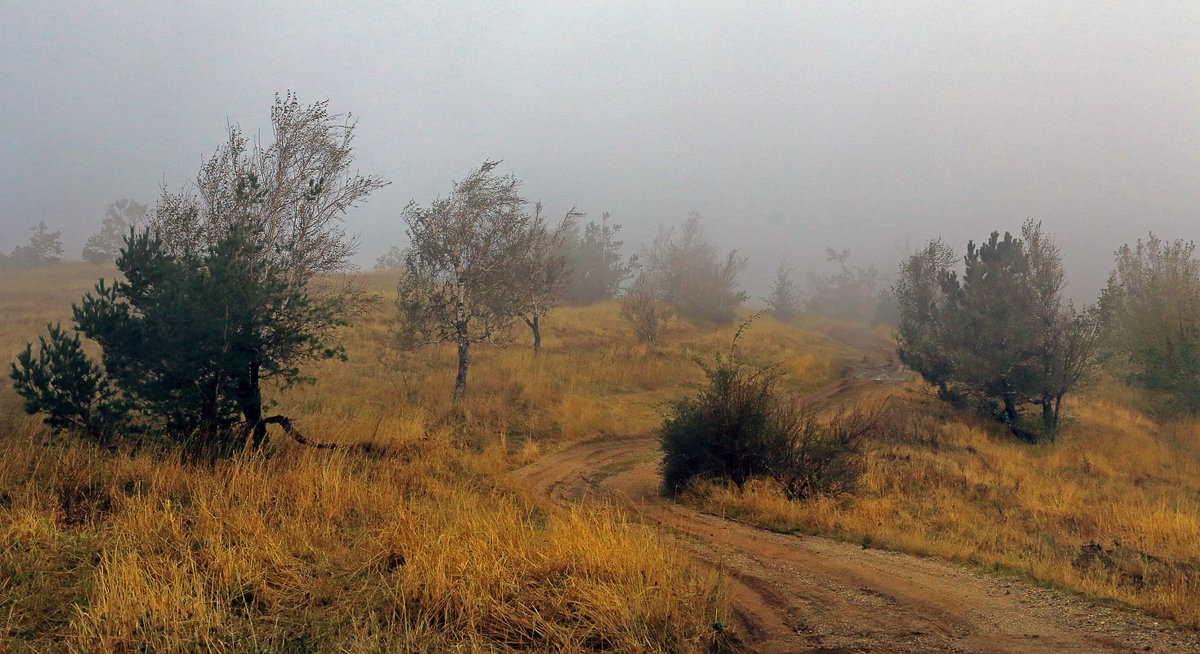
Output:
[[736, 427]]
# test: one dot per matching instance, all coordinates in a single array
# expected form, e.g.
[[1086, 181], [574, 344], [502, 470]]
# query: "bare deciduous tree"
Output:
[[294, 192]]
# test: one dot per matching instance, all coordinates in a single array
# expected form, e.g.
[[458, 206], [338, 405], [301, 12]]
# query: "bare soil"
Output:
[[799, 593]]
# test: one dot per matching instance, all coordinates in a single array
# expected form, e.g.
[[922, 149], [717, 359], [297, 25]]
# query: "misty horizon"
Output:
[[791, 129]]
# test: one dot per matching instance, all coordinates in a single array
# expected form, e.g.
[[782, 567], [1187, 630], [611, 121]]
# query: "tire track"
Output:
[[810, 594]]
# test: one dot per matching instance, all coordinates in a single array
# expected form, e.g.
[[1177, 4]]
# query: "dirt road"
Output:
[[811, 594]]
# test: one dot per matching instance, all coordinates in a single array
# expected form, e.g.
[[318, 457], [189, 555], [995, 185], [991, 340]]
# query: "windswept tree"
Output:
[[467, 276], [221, 292], [849, 292], [120, 217], [44, 249], [784, 299], [1151, 313], [597, 266], [1002, 333], [393, 259], [685, 269], [545, 268]]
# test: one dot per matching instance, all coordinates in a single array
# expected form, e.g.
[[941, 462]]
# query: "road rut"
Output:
[[795, 593]]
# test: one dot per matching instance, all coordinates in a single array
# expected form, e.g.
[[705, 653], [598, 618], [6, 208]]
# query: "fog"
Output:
[[790, 127]]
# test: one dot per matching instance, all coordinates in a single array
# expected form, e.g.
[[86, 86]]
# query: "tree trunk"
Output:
[[1049, 415], [207, 426], [1057, 408], [537, 333], [250, 397], [464, 360], [1010, 410]]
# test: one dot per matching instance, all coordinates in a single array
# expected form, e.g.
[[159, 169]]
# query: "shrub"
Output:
[[684, 269], [642, 310], [1151, 314], [736, 427]]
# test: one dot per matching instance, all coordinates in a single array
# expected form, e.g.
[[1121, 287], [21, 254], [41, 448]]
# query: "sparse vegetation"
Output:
[[420, 542], [424, 543]]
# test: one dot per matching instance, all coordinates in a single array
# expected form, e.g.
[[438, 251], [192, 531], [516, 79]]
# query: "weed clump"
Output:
[[737, 427], [643, 311]]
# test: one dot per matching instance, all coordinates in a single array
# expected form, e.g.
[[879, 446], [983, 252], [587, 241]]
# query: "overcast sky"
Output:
[[790, 126]]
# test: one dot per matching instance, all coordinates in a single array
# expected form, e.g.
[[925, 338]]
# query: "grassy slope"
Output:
[[427, 548], [432, 548], [952, 485]]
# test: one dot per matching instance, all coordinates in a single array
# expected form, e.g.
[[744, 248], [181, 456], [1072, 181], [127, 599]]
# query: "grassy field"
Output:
[[429, 545]]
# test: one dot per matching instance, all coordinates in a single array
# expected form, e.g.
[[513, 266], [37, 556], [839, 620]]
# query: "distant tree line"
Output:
[[225, 290], [44, 249], [850, 292]]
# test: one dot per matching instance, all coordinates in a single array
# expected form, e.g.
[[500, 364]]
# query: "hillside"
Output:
[[426, 541]]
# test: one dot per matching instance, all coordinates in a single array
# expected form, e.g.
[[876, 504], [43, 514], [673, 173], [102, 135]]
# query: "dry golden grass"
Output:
[[955, 486], [429, 546]]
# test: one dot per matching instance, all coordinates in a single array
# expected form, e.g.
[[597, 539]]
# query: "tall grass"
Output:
[[1111, 510], [430, 546], [423, 543]]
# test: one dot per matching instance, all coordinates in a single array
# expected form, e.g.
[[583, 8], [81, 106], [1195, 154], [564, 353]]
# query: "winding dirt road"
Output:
[[810, 594]]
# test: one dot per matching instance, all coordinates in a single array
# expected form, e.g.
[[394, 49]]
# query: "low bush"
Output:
[[642, 310], [737, 427]]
